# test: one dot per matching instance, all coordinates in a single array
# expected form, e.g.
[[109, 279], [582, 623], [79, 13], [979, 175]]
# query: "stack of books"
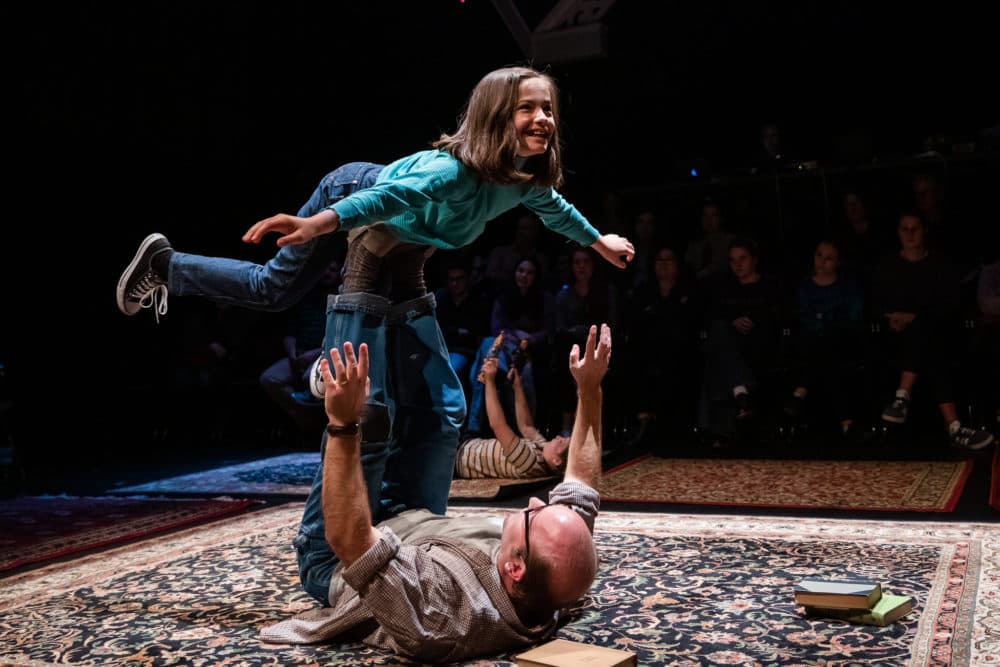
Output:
[[859, 601]]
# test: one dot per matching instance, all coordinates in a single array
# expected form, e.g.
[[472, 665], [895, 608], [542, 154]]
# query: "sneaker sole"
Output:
[[123, 281], [985, 443]]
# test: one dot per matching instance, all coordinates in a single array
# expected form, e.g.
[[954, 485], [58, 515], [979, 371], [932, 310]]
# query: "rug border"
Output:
[[236, 506], [949, 505]]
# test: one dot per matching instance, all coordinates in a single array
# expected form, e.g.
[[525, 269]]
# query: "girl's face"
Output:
[[524, 276], [825, 260], [534, 120]]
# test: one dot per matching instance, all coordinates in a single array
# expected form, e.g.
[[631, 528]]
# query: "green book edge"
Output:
[[887, 610]]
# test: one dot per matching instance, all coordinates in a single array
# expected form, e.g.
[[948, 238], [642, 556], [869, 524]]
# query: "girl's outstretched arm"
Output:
[[613, 247]]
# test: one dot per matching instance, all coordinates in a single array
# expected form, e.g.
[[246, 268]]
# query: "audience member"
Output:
[[985, 351], [861, 240], [502, 261], [590, 297], [433, 587], [771, 155], [948, 233], [916, 293], [707, 256], [525, 314], [509, 454], [743, 315], [829, 309], [464, 317], [639, 270], [661, 323]]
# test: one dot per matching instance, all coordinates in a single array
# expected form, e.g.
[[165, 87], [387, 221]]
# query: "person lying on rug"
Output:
[[443, 588], [508, 455]]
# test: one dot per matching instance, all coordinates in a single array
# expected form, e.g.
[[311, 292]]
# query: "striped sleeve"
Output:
[[484, 458]]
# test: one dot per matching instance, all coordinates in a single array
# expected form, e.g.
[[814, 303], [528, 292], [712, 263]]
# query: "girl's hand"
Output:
[[295, 230], [613, 247]]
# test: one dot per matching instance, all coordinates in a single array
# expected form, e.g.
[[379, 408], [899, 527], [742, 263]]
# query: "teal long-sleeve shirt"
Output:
[[430, 198]]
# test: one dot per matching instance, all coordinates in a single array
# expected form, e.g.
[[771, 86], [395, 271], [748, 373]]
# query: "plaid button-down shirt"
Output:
[[428, 602]]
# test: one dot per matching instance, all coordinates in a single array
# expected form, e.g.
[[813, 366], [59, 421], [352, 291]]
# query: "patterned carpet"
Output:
[[489, 489], [289, 474], [292, 474], [902, 486], [675, 589], [35, 529]]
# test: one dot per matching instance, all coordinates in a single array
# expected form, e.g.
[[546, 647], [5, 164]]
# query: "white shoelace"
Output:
[[155, 296]]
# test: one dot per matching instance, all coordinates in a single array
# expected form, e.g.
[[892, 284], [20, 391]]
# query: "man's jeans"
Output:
[[410, 427]]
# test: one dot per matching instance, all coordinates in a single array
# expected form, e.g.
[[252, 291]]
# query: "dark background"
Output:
[[198, 119]]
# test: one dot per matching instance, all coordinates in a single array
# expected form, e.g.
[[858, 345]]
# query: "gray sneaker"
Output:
[[140, 285], [895, 412], [971, 438]]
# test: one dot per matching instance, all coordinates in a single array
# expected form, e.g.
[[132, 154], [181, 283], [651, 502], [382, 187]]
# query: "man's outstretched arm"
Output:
[[346, 517], [588, 370]]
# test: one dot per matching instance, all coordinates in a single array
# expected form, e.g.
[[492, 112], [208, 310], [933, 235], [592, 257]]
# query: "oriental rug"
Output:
[[899, 486], [287, 475], [292, 475], [995, 481], [490, 489], [673, 588], [35, 529]]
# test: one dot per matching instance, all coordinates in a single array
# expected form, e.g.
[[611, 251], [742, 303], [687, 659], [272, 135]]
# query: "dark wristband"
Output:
[[346, 429]]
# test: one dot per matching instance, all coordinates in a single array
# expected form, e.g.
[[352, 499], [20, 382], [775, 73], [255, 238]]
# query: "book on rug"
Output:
[[566, 653], [852, 594], [888, 609]]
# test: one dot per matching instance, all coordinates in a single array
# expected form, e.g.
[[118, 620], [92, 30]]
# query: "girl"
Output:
[[504, 153]]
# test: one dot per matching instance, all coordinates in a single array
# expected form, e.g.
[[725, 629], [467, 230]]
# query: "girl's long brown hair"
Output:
[[486, 140]]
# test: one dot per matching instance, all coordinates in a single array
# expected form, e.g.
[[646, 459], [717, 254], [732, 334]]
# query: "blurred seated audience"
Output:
[[661, 324], [828, 337], [916, 294], [743, 313]]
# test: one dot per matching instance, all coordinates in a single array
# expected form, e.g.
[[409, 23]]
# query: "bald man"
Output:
[[438, 588]]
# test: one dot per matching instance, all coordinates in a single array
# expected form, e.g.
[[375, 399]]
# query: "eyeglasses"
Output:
[[527, 523]]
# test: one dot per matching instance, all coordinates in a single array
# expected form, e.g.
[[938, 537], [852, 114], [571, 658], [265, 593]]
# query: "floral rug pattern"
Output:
[[36, 529], [675, 589], [915, 486], [288, 474]]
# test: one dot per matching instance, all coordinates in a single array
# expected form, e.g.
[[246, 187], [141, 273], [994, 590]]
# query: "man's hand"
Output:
[[295, 230], [584, 458], [348, 386], [613, 247], [590, 369]]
